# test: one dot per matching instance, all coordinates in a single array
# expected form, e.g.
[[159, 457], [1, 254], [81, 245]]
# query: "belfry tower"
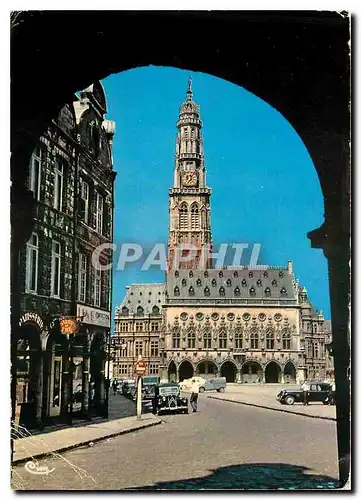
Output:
[[189, 198]]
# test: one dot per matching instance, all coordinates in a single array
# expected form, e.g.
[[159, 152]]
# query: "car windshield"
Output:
[[169, 390]]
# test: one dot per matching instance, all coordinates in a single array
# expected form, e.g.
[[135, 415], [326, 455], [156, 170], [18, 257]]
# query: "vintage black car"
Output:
[[167, 398], [319, 392]]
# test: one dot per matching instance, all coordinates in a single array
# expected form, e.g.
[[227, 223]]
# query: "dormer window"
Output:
[[237, 292], [280, 274], [235, 274], [125, 311], [244, 282], [207, 292], [176, 274], [250, 274], [229, 282], [199, 283], [259, 283], [222, 292], [206, 274], [214, 282], [184, 282], [191, 274], [220, 274], [283, 291], [176, 291], [140, 311], [267, 291], [155, 310], [252, 291], [274, 282], [265, 274], [191, 291]]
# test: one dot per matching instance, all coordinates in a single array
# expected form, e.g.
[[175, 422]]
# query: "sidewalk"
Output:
[[38, 445], [265, 397]]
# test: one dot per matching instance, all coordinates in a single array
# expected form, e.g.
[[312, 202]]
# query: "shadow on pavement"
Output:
[[262, 476]]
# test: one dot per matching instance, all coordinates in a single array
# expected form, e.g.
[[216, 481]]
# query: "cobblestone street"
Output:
[[223, 446]]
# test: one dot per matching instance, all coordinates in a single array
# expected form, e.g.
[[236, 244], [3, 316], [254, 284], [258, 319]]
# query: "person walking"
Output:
[[114, 386], [305, 388], [194, 396]]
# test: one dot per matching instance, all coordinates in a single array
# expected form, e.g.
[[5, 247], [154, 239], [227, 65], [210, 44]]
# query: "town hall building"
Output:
[[248, 325]]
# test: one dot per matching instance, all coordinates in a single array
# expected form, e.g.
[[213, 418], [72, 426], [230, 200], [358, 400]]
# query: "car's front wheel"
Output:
[[289, 400]]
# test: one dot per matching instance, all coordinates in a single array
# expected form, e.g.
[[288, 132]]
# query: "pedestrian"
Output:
[[305, 388], [114, 386], [194, 396]]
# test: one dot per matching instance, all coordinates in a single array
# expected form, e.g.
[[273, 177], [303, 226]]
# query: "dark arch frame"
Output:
[[226, 363], [293, 51], [187, 373]]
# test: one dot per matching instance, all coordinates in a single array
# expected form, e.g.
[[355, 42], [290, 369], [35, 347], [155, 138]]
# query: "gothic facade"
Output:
[[71, 177], [249, 325]]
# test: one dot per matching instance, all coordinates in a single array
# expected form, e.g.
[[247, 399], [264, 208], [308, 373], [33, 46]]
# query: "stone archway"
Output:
[[186, 370], [207, 369], [229, 370], [323, 42], [272, 373], [172, 372], [251, 372], [289, 373]]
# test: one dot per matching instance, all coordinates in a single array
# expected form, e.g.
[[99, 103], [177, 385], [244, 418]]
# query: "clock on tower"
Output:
[[190, 179]]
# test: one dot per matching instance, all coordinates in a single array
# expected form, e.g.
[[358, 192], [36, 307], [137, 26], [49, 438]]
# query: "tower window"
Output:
[[183, 216], [194, 216]]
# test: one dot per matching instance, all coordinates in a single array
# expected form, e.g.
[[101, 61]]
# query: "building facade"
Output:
[[248, 325], [71, 176]]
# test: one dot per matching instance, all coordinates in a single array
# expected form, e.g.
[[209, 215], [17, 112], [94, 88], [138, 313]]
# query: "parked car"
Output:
[[128, 387], [148, 387], [186, 384], [319, 392], [167, 398], [213, 384]]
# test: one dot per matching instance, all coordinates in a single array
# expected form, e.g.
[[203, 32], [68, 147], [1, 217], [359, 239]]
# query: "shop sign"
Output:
[[68, 326], [31, 317], [92, 316]]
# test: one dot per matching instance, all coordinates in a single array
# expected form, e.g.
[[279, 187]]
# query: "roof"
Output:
[[142, 296], [236, 284], [327, 326]]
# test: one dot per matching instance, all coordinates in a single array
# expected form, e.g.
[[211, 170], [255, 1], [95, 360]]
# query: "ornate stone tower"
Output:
[[189, 199]]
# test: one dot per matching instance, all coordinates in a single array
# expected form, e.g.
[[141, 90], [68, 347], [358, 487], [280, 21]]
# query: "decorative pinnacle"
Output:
[[189, 90]]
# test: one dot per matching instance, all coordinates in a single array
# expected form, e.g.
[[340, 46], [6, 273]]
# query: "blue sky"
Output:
[[264, 186]]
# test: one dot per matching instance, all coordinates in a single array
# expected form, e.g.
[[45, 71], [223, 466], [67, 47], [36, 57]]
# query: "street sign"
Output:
[[140, 367]]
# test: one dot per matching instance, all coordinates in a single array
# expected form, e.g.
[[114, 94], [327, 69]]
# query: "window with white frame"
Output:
[[58, 185], [123, 327], [154, 348], [138, 348], [97, 287], [35, 173], [32, 253], [55, 268], [154, 326], [85, 199], [153, 369], [83, 264], [99, 212]]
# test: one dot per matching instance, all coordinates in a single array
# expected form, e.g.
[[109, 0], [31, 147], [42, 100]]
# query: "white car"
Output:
[[186, 384]]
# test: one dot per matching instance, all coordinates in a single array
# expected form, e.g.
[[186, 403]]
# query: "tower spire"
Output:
[[189, 90]]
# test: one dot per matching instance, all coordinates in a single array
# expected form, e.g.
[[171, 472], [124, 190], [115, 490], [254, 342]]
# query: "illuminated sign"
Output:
[[31, 317], [68, 326], [92, 316]]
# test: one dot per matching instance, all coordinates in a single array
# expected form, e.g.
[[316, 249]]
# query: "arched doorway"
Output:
[[251, 372], [53, 374], [172, 372], [207, 369], [272, 373], [289, 373], [29, 374], [229, 370], [97, 375], [186, 370]]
